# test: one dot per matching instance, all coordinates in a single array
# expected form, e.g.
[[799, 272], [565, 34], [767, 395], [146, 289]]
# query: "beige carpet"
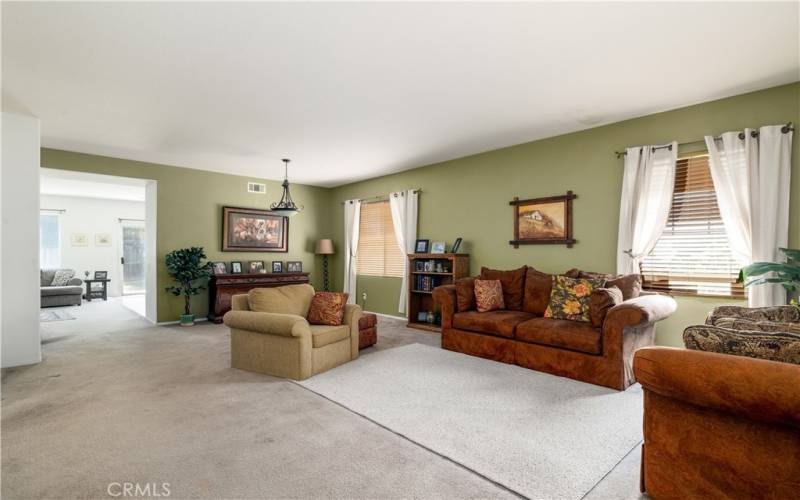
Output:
[[161, 404]]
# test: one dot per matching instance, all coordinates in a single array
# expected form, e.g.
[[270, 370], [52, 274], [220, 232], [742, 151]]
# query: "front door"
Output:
[[133, 257]]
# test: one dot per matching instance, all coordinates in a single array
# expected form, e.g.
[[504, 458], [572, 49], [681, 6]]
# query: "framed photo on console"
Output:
[[236, 268], [294, 266], [277, 266], [253, 230]]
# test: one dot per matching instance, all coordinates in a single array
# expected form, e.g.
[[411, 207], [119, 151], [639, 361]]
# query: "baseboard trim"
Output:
[[388, 316], [167, 323]]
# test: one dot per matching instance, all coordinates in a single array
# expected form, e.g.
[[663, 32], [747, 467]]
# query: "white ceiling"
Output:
[[352, 91], [67, 183]]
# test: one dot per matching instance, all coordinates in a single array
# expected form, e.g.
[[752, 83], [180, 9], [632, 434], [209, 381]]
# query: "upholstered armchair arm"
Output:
[[75, 282], [445, 296], [757, 389], [642, 310], [240, 302], [778, 314], [285, 325], [352, 313]]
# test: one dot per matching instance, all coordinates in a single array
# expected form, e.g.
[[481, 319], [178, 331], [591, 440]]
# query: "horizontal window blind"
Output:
[[692, 256], [378, 253]]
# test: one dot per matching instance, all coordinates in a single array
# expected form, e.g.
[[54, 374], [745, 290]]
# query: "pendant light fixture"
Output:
[[286, 206]]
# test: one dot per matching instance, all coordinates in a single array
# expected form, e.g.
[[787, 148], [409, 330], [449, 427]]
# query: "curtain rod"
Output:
[[753, 133], [57, 210], [382, 197]]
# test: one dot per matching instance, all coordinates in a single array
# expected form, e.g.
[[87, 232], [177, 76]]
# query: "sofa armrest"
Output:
[[240, 302], [445, 296], [640, 311], [757, 389], [353, 313], [285, 325], [75, 282]]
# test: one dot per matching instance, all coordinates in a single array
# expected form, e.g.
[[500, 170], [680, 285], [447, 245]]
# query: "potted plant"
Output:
[[786, 273], [186, 266]]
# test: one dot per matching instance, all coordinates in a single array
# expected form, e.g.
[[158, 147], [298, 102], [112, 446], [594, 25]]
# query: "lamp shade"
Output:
[[324, 247]]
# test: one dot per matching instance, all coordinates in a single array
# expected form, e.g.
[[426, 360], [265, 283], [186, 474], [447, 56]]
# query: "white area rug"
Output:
[[539, 435], [47, 316]]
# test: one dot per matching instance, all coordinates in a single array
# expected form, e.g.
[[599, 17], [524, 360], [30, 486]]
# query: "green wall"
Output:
[[189, 213], [469, 196]]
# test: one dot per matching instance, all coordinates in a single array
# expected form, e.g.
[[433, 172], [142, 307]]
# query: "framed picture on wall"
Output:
[[102, 240], [543, 220], [79, 239], [253, 230]]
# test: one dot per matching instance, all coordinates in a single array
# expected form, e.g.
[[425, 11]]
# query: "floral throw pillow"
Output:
[[327, 308], [570, 298], [62, 277], [489, 295]]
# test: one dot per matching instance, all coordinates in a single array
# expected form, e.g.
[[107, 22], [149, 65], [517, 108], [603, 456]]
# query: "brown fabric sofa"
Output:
[[278, 340], [718, 425], [573, 349]]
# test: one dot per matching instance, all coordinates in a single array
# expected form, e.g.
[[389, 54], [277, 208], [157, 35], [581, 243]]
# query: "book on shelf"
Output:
[[426, 283]]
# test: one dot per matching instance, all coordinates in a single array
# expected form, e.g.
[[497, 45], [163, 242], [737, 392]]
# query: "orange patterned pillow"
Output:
[[489, 295], [327, 308]]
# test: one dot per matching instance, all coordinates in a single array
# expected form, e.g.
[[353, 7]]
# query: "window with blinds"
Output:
[[378, 253], [692, 256]]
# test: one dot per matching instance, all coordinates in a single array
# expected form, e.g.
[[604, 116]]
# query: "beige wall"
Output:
[[190, 214], [469, 196]]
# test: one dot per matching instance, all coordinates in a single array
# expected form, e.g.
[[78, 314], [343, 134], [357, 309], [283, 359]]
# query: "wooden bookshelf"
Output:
[[442, 269]]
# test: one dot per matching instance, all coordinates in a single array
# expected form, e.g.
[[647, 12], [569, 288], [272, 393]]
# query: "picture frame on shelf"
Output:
[[419, 266], [294, 266], [219, 268], [277, 266], [421, 246], [437, 247], [236, 267], [256, 266], [101, 275], [456, 245]]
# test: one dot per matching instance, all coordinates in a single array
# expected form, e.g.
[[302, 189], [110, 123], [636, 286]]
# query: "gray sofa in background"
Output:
[[53, 296]]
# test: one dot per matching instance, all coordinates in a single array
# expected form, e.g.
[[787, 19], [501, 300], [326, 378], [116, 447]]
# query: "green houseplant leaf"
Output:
[[786, 274], [186, 266]]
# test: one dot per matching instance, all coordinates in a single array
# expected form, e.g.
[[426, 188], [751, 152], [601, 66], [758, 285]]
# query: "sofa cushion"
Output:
[[289, 299], [327, 308], [757, 326], [49, 291], [499, 323], [322, 335], [562, 333], [513, 285], [46, 276], [537, 291], [569, 298], [783, 347], [489, 295], [601, 300], [465, 294]]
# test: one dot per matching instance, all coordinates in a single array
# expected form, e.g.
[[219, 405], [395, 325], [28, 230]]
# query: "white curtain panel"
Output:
[[731, 161], [403, 206], [352, 219], [751, 179], [647, 186]]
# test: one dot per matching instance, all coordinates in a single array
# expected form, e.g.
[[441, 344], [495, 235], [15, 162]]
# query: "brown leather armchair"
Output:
[[718, 426]]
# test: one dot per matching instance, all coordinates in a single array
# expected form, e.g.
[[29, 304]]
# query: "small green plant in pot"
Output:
[[186, 267], [786, 274]]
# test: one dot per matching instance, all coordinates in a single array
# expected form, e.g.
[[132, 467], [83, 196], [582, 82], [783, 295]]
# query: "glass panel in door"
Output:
[[133, 257]]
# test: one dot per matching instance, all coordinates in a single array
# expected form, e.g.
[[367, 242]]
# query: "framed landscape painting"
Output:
[[253, 230], [543, 220]]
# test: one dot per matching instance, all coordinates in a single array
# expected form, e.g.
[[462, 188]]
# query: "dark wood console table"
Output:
[[221, 287]]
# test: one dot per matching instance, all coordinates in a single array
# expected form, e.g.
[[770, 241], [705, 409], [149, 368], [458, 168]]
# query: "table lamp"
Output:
[[325, 248]]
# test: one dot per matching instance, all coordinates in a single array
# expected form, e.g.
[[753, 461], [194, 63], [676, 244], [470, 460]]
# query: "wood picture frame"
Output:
[[543, 221], [254, 230]]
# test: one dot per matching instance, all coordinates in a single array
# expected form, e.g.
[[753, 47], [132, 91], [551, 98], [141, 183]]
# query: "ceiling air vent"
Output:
[[256, 187]]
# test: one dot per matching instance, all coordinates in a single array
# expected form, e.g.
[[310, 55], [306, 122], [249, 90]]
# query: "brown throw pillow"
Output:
[[489, 295], [327, 308], [537, 291], [601, 300], [569, 298], [465, 294], [513, 283]]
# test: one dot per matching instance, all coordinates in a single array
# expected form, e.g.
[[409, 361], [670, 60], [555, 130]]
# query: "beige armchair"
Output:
[[270, 334]]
